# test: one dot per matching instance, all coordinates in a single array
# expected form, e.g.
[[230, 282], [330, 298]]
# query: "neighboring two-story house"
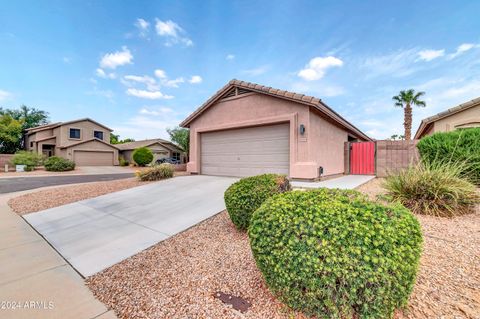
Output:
[[84, 141]]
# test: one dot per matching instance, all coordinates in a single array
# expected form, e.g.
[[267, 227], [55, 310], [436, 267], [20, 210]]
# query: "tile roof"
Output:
[[142, 143], [57, 124], [292, 96], [443, 114]]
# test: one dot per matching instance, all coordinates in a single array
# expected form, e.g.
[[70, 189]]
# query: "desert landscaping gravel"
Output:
[[177, 278], [53, 197], [62, 195]]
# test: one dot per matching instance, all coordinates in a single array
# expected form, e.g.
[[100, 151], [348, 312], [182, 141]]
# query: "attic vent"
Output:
[[234, 92], [230, 93], [242, 91]]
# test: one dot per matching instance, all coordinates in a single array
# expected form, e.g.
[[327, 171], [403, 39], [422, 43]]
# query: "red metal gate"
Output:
[[362, 158]]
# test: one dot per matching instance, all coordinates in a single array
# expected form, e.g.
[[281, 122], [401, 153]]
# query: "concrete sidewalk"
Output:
[[343, 182], [35, 281]]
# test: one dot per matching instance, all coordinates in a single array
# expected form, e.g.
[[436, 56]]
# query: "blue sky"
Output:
[[142, 66]]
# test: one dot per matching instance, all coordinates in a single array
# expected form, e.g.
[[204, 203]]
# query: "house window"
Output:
[[98, 134], [75, 133], [31, 144], [176, 156]]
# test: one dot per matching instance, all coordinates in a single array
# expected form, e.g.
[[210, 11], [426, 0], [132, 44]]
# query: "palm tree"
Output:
[[406, 99]]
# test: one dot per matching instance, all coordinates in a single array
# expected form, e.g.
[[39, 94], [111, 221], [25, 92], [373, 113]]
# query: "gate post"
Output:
[[346, 158]]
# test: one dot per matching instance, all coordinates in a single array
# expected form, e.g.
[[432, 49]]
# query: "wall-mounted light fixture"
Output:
[[302, 129]]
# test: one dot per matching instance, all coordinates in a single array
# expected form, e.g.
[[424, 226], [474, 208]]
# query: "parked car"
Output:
[[169, 160]]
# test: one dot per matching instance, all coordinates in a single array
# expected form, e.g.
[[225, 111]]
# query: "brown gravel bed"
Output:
[[53, 197], [178, 277]]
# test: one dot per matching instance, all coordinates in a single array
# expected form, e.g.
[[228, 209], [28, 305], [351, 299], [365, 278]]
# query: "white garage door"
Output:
[[246, 152], [92, 158]]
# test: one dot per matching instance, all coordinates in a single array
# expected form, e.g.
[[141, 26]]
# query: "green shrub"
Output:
[[435, 188], [122, 161], [460, 145], [142, 156], [334, 254], [245, 196], [30, 159], [58, 164], [156, 172]]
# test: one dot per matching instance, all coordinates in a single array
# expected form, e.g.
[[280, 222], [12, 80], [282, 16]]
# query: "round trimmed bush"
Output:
[[142, 156], [58, 164], [334, 254], [245, 196]]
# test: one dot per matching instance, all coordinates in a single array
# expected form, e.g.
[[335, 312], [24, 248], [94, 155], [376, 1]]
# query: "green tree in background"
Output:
[[30, 116], [10, 134], [181, 137], [115, 139]]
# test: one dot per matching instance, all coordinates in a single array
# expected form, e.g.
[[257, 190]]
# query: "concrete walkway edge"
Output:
[[35, 281]]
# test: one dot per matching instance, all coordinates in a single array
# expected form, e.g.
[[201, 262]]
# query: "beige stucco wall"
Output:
[[317, 147], [39, 136], [89, 146], [127, 155], [467, 118], [327, 145], [86, 132]]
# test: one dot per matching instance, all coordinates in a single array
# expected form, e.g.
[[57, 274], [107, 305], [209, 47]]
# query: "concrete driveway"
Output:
[[96, 233]]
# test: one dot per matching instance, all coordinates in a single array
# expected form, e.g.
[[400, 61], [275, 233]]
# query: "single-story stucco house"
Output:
[[84, 141], [247, 129], [160, 149], [462, 116]]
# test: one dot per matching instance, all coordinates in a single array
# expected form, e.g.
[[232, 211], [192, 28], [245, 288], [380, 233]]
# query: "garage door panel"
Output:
[[92, 158], [246, 152]]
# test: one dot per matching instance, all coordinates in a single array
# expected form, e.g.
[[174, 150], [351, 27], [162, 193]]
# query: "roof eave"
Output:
[[328, 111]]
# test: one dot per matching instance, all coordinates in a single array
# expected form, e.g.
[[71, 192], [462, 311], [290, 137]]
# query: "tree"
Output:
[[142, 156], [30, 116], [396, 137], [181, 137], [10, 134], [115, 139], [407, 99]]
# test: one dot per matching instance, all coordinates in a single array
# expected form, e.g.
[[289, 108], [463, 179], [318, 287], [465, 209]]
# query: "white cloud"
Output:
[[429, 55], [4, 95], [195, 79], [150, 122], [316, 68], [142, 26], [144, 94], [102, 93], [145, 79], [172, 32], [396, 64], [102, 74], [172, 83], [230, 57], [67, 60], [118, 58], [256, 71], [160, 74], [462, 48], [156, 112]]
